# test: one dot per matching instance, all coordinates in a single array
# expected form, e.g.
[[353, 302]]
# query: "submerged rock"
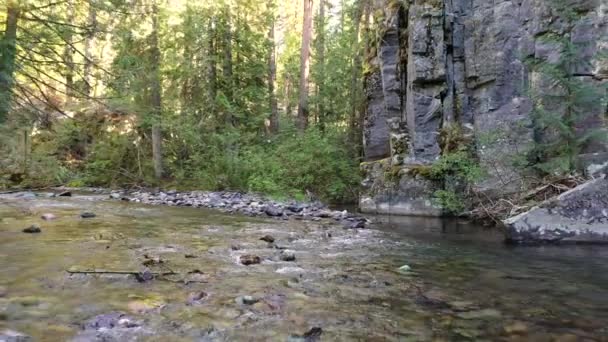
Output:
[[249, 259], [86, 215], [287, 255], [26, 195], [311, 335], [114, 326], [516, 328], [33, 229], [484, 314], [267, 238], [196, 297], [246, 300], [48, 217], [13, 336], [579, 215]]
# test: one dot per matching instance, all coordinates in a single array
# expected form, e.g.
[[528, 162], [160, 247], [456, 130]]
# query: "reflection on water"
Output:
[[463, 283]]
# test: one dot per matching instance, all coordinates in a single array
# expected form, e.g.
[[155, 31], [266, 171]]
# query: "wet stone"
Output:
[[246, 300], [197, 297], [86, 215], [287, 255], [65, 194], [249, 259], [311, 335], [516, 328], [484, 314], [13, 336], [48, 217], [267, 238], [273, 211], [33, 229]]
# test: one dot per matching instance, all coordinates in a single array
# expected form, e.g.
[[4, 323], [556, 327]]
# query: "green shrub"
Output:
[[457, 171]]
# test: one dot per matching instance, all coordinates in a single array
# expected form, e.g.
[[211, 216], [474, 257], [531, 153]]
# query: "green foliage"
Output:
[[563, 102], [289, 165], [459, 165], [457, 171]]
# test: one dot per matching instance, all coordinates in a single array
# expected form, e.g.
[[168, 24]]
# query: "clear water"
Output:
[[463, 285]]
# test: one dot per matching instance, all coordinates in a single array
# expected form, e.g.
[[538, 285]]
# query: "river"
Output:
[[405, 279]]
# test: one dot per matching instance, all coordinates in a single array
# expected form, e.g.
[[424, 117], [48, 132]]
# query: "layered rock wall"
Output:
[[439, 63]]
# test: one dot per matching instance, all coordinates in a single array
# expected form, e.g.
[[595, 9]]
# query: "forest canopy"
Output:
[[252, 95]]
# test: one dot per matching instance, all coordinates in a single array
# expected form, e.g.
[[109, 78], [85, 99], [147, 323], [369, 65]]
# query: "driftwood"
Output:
[[136, 273]]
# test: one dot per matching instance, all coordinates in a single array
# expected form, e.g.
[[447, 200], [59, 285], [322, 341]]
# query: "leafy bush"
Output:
[[457, 170]]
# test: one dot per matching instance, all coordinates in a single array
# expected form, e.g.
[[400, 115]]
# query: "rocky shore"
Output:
[[245, 204]]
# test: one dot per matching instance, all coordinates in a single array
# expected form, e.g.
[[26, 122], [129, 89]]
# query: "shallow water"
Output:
[[464, 284]]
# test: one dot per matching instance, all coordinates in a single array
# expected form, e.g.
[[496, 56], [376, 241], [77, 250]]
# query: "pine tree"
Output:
[[563, 100]]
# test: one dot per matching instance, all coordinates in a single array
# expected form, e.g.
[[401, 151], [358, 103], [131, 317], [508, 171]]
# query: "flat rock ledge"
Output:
[[245, 204], [577, 216]]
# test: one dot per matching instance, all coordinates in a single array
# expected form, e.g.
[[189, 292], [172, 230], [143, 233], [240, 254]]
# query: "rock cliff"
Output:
[[443, 63]]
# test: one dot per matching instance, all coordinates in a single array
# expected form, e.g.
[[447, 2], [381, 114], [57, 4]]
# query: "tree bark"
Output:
[[272, 76], [355, 88], [227, 65], [155, 96], [8, 46], [212, 71], [302, 118], [88, 42], [68, 55], [321, 61]]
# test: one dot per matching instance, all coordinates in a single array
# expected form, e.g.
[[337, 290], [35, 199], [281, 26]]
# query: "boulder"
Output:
[[577, 216]]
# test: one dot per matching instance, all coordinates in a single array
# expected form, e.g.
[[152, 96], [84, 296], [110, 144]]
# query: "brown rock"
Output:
[[516, 328], [267, 238], [249, 259]]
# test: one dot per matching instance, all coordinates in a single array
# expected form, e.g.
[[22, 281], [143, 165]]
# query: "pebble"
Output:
[[245, 204]]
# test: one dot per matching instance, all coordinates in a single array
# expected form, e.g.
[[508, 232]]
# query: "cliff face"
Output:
[[445, 63]]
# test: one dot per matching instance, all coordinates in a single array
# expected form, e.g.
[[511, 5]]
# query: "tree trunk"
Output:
[[302, 119], [68, 55], [88, 42], [272, 75], [155, 96], [8, 46], [321, 61], [227, 65], [212, 71], [355, 88]]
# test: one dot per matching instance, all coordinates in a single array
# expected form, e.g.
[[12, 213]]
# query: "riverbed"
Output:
[[159, 273]]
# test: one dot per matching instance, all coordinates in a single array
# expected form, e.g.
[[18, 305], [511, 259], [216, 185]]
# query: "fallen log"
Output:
[[70, 271]]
